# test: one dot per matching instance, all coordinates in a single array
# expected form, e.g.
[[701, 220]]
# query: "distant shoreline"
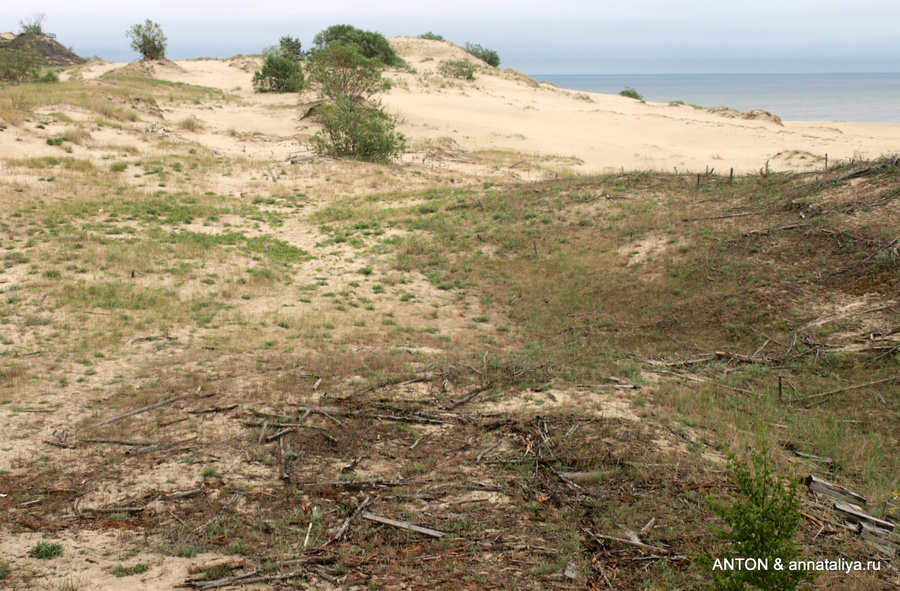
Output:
[[850, 97]]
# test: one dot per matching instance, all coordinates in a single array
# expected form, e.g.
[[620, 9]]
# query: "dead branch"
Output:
[[341, 530], [823, 395], [131, 414], [403, 525], [118, 442], [640, 545], [234, 498]]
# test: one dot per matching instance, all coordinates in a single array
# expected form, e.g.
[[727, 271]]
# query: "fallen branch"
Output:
[[403, 525], [234, 498], [847, 389], [341, 530], [640, 545], [132, 413]]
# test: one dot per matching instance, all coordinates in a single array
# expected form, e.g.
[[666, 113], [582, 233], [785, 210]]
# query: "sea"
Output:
[[862, 98]]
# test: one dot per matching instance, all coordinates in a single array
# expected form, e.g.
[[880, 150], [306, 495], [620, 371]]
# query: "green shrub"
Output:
[[762, 522], [289, 48], [20, 65], [370, 44], [631, 93], [488, 56], [431, 36], [148, 40], [279, 74], [357, 129], [340, 70], [457, 69]]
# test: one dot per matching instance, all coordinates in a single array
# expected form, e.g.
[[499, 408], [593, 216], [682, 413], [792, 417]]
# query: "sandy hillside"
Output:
[[504, 111]]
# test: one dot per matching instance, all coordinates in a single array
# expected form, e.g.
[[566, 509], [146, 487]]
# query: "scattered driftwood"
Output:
[[214, 409], [391, 382], [822, 459], [119, 442], [878, 535], [231, 501], [106, 510], [823, 395], [403, 525], [132, 413], [184, 494], [850, 514], [467, 397], [486, 450], [744, 358], [343, 529], [157, 447], [640, 545], [833, 490]]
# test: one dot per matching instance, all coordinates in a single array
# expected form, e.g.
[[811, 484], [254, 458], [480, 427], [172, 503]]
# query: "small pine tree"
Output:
[[763, 521], [34, 25]]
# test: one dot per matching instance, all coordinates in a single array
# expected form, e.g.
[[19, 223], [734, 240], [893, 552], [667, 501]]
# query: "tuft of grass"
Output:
[[46, 550], [129, 571]]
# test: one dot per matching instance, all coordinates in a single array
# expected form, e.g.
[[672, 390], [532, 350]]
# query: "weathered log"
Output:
[[833, 490]]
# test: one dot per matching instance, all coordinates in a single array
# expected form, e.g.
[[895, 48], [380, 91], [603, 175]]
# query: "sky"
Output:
[[532, 36]]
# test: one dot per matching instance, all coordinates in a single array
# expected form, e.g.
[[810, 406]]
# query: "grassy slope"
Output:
[[129, 279]]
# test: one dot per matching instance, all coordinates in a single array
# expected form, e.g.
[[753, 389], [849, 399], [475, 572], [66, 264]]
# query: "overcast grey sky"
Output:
[[532, 36]]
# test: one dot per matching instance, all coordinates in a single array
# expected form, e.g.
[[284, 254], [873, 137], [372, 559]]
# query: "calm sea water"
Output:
[[864, 98]]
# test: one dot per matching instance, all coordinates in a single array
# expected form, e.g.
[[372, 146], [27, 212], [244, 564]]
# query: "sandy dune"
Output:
[[503, 110]]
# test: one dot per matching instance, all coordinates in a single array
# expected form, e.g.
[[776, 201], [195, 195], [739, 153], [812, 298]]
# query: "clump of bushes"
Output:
[[23, 65], [370, 44], [457, 69], [488, 56], [353, 125], [431, 36], [631, 93]]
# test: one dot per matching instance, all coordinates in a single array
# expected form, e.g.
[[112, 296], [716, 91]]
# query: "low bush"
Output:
[[279, 74], [431, 36], [488, 56], [457, 69], [359, 130], [631, 93]]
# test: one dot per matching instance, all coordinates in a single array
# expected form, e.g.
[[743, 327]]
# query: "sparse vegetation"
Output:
[[34, 25], [457, 69]]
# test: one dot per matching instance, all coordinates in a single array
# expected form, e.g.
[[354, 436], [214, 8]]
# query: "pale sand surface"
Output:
[[504, 111]]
